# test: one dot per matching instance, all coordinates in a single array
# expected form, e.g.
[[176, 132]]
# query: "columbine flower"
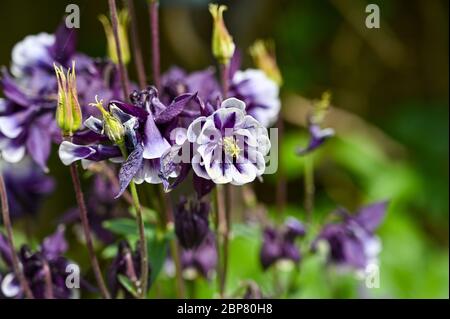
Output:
[[191, 222], [318, 135], [26, 186], [222, 43], [127, 263], [353, 242], [279, 245], [229, 145], [201, 260], [134, 127], [34, 266], [27, 123]]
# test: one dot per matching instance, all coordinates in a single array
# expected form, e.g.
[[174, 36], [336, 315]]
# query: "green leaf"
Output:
[[157, 252], [128, 284]]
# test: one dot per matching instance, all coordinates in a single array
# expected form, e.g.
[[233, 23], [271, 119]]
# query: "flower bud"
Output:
[[321, 107], [263, 54], [191, 223], [222, 43], [123, 37], [68, 111], [113, 127]]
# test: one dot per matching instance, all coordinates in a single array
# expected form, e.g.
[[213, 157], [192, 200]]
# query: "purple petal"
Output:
[[371, 216], [202, 186], [174, 109], [129, 168], [39, 145], [54, 245], [154, 144]]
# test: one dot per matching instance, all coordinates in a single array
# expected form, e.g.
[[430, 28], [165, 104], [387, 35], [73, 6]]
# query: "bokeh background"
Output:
[[390, 98]]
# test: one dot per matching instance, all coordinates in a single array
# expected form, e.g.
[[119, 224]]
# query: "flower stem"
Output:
[[9, 234], [309, 186], [121, 67], [137, 51], [174, 248], [154, 26], [223, 231], [224, 79], [87, 231], [141, 229], [142, 240]]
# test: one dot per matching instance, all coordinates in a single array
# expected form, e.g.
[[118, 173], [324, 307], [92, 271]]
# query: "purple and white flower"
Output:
[[353, 242], [229, 145]]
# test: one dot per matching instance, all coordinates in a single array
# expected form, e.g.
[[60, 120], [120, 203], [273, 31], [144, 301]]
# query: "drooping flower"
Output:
[[353, 242], [201, 260], [279, 244], [27, 123], [229, 145], [318, 135], [26, 186], [47, 262], [191, 222], [127, 263]]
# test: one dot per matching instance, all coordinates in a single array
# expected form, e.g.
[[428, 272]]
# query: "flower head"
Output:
[[279, 244], [352, 242], [48, 258], [222, 43], [112, 125], [229, 145], [123, 37], [191, 222], [200, 260]]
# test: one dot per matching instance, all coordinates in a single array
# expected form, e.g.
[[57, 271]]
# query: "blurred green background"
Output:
[[390, 97]]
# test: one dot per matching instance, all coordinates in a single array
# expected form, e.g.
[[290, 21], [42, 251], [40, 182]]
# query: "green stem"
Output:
[[309, 187], [141, 229]]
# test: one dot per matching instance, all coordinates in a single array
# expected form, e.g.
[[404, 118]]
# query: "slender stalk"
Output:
[[121, 67], [223, 213], [154, 27], [142, 241], [309, 186], [223, 231], [141, 229], [87, 231], [18, 271], [137, 51], [174, 247]]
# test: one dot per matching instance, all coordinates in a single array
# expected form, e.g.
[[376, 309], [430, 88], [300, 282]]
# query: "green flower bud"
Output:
[[112, 127], [263, 54], [123, 37], [68, 111], [222, 43], [321, 107]]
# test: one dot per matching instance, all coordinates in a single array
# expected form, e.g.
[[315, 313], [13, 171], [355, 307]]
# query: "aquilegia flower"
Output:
[[229, 145], [317, 134], [353, 242], [27, 123], [279, 244], [26, 186], [48, 258], [200, 260], [191, 222]]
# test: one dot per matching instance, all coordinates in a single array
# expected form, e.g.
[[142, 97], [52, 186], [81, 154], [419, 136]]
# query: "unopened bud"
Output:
[[263, 54], [321, 107], [123, 37], [68, 111], [112, 126], [222, 43]]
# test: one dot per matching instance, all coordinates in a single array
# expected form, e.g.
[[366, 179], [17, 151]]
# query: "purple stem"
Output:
[[154, 26], [137, 51], [122, 70], [9, 234]]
